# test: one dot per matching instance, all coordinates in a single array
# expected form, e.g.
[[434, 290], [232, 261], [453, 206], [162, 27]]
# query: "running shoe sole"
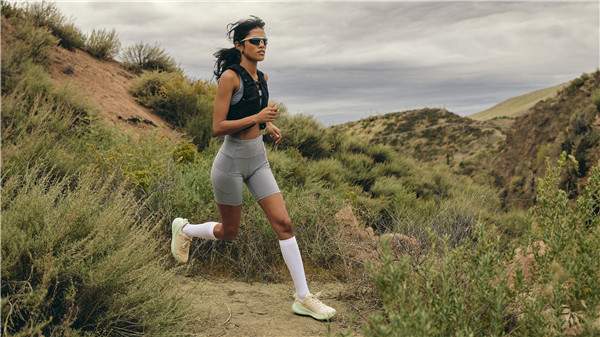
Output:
[[175, 226], [301, 310]]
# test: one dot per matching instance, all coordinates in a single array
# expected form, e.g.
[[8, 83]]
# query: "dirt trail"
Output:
[[234, 308]]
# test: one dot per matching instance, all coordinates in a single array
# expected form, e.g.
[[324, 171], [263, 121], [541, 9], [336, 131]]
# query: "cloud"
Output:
[[354, 58]]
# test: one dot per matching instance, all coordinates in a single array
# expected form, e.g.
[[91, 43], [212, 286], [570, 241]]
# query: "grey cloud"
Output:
[[339, 60]]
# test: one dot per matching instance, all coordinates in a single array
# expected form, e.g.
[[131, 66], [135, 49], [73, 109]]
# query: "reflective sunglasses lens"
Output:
[[256, 41]]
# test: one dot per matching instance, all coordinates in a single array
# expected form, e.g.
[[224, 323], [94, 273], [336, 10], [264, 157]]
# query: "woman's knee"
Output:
[[284, 226]]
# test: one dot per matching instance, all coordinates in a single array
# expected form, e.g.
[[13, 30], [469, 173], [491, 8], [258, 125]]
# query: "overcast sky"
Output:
[[341, 61]]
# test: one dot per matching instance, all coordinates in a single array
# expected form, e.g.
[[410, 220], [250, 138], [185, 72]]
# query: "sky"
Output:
[[345, 60]]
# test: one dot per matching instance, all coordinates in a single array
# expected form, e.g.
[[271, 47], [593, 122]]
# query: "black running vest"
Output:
[[255, 98]]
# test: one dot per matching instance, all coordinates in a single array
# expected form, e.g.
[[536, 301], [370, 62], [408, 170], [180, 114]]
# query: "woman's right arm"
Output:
[[221, 126]]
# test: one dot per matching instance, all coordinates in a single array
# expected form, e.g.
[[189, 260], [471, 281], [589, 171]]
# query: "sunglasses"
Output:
[[256, 40]]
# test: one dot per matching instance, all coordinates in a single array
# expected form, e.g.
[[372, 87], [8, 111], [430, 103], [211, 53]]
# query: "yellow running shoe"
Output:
[[180, 242], [312, 306]]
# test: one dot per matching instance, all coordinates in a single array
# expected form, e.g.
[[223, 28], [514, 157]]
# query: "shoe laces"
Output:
[[314, 298], [187, 239]]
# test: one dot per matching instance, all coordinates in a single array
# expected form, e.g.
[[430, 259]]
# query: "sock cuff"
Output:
[[212, 228], [289, 241]]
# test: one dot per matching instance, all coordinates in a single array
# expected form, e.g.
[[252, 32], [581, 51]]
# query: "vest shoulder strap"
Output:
[[242, 73]]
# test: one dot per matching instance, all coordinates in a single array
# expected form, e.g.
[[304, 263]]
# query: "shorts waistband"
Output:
[[243, 148], [230, 138]]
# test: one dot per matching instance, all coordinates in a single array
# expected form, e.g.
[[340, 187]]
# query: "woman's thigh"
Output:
[[261, 181], [227, 181]]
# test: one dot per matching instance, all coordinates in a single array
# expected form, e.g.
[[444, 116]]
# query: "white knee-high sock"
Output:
[[204, 230], [293, 260]]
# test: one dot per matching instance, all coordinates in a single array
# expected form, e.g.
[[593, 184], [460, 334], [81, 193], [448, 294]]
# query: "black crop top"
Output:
[[254, 99]]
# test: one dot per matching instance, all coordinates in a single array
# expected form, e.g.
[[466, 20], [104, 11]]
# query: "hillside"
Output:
[[510, 152], [567, 122], [518, 105], [427, 134], [102, 83]]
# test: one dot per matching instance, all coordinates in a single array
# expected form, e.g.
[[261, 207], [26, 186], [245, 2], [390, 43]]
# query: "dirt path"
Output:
[[233, 308]]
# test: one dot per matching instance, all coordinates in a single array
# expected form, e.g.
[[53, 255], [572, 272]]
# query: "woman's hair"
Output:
[[228, 56]]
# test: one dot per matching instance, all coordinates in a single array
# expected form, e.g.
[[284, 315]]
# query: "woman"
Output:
[[240, 113]]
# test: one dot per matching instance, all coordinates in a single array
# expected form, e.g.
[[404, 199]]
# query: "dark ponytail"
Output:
[[225, 58], [228, 56]]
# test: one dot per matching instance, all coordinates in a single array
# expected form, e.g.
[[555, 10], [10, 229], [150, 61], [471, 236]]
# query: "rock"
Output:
[[360, 243]]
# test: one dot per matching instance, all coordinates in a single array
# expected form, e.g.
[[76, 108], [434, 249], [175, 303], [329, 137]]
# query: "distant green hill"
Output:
[[518, 105], [433, 135]]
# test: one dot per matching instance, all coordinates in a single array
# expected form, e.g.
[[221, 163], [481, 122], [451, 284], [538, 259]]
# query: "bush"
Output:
[[199, 127], [103, 44], [10, 10], [328, 171], [142, 56], [354, 145], [33, 42], [304, 133], [289, 167], [184, 153], [173, 97], [388, 186], [70, 36], [78, 258], [46, 14], [359, 169], [596, 99], [37, 119], [381, 153], [480, 287], [399, 167]]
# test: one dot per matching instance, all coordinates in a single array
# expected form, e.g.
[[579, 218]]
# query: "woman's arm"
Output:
[[221, 126]]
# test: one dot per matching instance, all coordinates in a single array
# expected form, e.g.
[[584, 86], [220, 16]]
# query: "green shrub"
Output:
[[142, 56], [354, 145], [304, 133], [399, 167], [359, 168], [70, 36], [328, 171], [381, 153], [10, 10], [37, 120], [184, 153], [288, 166], [33, 42], [388, 186], [596, 99], [46, 14], [103, 44], [78, 258], [466, 289], [179, 101]]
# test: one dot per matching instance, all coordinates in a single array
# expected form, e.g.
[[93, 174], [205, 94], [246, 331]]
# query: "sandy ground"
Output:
[[234, 308], [105, 84]]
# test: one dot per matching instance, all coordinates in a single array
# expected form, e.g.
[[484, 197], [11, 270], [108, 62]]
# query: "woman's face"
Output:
[[252, 52]]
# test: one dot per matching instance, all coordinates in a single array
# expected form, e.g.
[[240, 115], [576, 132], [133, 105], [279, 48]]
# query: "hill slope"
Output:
[[430, 135], [567, 122], [102, 83], [106, 85], [510, 152], [516, 106]]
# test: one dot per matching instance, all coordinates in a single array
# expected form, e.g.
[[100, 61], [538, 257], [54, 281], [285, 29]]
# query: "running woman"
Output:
[[241, 111]]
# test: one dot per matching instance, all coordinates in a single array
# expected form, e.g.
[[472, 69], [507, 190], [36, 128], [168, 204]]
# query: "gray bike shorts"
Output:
[[238, 162]]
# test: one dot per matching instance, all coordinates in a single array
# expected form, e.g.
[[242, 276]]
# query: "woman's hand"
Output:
[[274, 132]]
